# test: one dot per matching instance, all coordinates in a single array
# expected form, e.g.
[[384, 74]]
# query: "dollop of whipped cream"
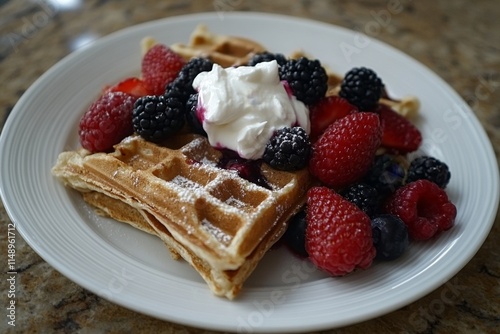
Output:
[[240, 108]]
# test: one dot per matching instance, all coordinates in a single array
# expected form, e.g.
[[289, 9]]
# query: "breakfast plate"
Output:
[[285, 293]]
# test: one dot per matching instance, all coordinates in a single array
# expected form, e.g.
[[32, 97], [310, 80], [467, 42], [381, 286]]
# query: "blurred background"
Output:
[[459, 40]]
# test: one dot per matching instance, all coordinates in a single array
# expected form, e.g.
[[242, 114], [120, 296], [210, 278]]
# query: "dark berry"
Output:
[[184, 80], [431, 169], [192, 115], [386, 175], [156, 117], [390, 237], [295, 235], [307, 79], [289, 149], [267, 56], [362, 87], [364, 196]]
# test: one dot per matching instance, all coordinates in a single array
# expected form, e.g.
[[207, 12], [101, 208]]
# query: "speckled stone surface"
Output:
[[459, 40]]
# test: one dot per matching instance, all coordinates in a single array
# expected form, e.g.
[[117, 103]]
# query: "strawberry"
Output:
[[160, 66], [107, 121], [133, 86], [338, 233], [326, 111], [398, 132], [346, 150]]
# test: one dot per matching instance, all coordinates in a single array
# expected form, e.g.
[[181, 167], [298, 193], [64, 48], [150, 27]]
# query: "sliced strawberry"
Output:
[[160, 66], [133, 86], [327, 111], [398, 132]]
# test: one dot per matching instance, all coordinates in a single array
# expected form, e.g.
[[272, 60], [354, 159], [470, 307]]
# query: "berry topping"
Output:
[[390, 237], [192, 115], [346, 150], [295, 235], [423, 207], [362, 87], [157, 117], [132, 86], [398, 132], [307, 79], [184, 81], [107, 121], [246, 169], [289, 149], [431, 169], [160, 66], [386, 175], [338, 233], [326, 111], [267, 56], [363, 196]]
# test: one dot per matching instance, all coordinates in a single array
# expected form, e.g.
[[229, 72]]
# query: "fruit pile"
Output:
[[369, 201]]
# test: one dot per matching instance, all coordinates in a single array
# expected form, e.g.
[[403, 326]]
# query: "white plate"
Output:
[[285, 294]]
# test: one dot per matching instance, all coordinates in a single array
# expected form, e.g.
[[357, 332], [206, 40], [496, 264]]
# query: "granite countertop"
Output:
[[459, 40]]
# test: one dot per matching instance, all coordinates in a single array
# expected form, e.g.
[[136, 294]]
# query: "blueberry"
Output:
[[295, 235], [390, 236]]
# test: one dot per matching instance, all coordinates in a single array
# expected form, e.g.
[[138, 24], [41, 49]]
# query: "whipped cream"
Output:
[[241, 107]]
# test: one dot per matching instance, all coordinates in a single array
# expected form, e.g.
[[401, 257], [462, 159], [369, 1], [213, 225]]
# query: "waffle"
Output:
[[218, 222], [221, 49]]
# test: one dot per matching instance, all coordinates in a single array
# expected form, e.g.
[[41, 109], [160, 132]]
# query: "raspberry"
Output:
[[107, 121], [431, 169], [390, 237], [157, 117], [307, 79], [338, 234], [363, 196], [362, 87], [133, 86], [423, 207], [326, 111], [160, 66], [289, 149], [346, 150], [267, 56]]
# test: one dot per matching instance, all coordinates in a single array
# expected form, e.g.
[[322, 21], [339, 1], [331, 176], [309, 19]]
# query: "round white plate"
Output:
[[284, 294]]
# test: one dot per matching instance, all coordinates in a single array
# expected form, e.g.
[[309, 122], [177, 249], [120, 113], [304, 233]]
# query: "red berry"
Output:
[[346, 150], [423, 207], [398, 132], [160, 66], [133, 86], [327, 111], [338, 233], [107, 121]]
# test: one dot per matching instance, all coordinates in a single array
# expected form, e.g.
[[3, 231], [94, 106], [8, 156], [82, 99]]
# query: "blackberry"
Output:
[[429, 168], [362, 87], [390, 236], [386, 175], [307, 79], [184, 80], [155, 117], [192, 115], [295, 235], [267, 56], [289, 149], [363, 196]]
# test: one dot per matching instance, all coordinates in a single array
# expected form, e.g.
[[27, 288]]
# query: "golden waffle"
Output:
[[221, 49], [217, 221]]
